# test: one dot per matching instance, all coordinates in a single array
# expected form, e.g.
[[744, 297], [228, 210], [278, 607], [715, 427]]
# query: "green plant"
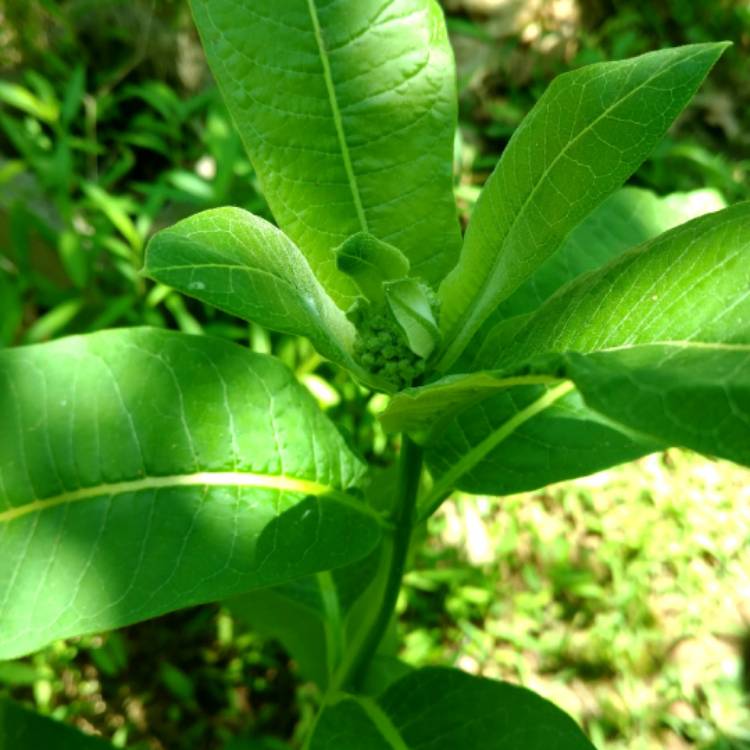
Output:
[[143, 471], [96, 157]]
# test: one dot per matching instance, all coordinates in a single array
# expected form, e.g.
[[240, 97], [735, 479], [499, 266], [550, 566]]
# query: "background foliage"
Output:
[[622, 596]]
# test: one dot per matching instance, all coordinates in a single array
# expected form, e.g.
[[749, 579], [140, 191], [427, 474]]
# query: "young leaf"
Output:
[[450, 710], [370, 262], [588, 133], [142, 471], [351, 129], [240, 263], [411, 303], [21, 729]]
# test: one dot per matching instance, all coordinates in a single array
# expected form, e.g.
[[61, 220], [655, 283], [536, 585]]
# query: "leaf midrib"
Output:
[[684, 344], [445, 483], [276, 482], [336, 112], [449, 357], [382, 722], [679, 344]]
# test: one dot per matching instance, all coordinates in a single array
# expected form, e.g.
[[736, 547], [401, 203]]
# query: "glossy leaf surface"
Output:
[[646, 295], [688, 290], [627, 218], [587, 134], [689, 284], [143, 471], [348, 112]]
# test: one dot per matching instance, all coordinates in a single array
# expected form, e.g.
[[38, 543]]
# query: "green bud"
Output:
[[381, 348], [391, 370]]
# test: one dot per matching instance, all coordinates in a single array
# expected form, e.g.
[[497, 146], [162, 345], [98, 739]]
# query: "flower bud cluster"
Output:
[[382, 350]]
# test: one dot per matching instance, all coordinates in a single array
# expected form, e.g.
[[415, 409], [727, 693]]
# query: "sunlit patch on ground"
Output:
[[624, 597]]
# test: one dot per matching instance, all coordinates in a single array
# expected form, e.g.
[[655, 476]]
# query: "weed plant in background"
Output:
[[96, 154], [143, 471]]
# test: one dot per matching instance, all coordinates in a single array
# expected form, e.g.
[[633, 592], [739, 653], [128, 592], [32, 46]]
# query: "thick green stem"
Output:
[[410, 470]]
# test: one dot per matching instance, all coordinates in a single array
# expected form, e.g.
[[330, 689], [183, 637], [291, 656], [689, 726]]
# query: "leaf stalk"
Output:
[[410, 472]]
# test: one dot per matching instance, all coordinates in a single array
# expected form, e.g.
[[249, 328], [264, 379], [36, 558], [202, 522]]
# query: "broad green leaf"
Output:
[[142, 471], [320, 619], [648, 294], [625, 219], [242, 264], [447, 709], [526, 437], [348, 112], [587, 134], [689, 284], [689, 394], [22, 729], [688, 288]]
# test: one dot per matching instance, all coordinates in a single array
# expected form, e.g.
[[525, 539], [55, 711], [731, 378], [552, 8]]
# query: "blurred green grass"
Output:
[[624, 597]]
